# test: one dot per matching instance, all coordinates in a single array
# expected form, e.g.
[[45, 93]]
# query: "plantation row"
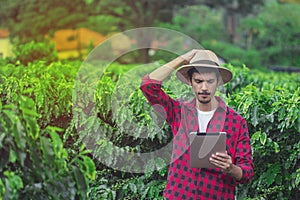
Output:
[[73, 131]]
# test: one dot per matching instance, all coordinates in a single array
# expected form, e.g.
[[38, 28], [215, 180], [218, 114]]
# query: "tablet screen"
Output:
[[203, 145]]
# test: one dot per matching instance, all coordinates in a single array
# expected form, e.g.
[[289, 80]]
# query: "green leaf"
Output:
[[2, 136], [160, 163], [17, 129], [270, 117], [59, 151], [263, 138], [14, 181], [33, 128], [272, 173], [90, 169], [256, 135], [133, 188], [46, 148], [276, 147], [2, 189]]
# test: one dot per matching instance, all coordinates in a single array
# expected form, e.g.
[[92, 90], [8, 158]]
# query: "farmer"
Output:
[[204, 113]]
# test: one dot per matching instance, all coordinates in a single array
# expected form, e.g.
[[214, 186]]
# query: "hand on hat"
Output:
[[187, 57]]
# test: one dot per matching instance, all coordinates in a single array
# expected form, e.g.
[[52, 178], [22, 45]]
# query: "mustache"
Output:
[[203, 93]]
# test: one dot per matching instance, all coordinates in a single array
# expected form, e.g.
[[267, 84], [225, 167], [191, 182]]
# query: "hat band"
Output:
[[205, 62]]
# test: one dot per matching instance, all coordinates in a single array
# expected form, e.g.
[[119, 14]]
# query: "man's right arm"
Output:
[[152, 90], [162, 73]]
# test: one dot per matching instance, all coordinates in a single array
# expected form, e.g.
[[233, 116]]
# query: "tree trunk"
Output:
[[144, 39], [230, 23]]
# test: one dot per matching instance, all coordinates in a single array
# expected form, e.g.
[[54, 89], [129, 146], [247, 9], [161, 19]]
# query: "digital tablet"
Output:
[[203, 145]]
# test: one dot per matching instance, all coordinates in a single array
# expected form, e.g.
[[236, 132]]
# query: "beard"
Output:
[[204, 100]]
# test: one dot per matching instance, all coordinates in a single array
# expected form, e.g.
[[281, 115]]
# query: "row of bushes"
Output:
[[71, 130], [35, 161]]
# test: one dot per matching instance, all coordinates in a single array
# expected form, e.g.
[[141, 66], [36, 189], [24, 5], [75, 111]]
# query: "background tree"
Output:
[[233, 9], [135, 14], [275, 38], [33, 19], [199, 22]]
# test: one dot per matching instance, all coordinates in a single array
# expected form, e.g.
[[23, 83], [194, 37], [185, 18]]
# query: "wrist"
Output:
[[235, 172], [177, 62], [229, 169]]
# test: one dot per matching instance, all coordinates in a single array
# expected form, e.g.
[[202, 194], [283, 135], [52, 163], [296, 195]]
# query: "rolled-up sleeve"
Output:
[[152, 90], [167, 107]]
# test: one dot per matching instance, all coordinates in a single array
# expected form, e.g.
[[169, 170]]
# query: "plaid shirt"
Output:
[[183, 181]]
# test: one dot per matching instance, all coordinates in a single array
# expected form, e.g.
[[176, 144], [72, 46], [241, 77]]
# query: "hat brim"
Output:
[[182, 73]]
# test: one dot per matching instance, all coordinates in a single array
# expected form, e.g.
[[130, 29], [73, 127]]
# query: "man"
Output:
[[205, 113]]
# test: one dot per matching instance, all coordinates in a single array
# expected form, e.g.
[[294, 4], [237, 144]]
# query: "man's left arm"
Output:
[[243, 157], [241, 169]]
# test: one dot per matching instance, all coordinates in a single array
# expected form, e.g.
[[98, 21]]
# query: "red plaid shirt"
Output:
[[183, 181]]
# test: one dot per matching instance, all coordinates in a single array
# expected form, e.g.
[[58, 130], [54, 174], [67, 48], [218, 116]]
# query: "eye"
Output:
[[198, 80], [211, 81]]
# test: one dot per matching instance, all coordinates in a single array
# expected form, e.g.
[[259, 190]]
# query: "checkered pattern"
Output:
[[183, 181]]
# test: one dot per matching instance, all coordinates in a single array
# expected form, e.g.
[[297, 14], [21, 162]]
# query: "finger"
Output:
[[225, 167], [218, 163], [223, 158], [223, 155], [224, 164], [215, 162]]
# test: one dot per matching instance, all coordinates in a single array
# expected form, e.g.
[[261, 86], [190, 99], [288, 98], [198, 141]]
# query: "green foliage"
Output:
[[272, 113], [206, 26], [18, 17], [35, 51], [270, 103], [235, 55], [34, 163], [275, 33], [199, 22], [41, 141], [268, 36], [117, 124], [50, 86], [242, 7], [135, 187]]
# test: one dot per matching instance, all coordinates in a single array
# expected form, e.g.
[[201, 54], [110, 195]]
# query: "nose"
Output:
[[204, 86]]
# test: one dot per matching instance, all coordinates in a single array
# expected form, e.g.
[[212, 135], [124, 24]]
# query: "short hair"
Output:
[[202, 70]]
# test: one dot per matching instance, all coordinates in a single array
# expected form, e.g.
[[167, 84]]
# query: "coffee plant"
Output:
[[63, 137]]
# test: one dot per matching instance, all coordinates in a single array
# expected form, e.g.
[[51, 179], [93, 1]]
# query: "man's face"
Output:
[[204, 86]]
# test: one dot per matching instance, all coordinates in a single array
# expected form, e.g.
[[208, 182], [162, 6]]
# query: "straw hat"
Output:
[[203, 59]]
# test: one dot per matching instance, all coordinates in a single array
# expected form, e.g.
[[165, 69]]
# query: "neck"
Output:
[[213, 104]]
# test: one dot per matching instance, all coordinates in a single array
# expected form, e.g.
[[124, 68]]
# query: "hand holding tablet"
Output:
[[203, 146]]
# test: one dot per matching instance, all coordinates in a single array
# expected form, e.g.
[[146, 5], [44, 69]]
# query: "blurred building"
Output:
[[71, 43], [6, 48]]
